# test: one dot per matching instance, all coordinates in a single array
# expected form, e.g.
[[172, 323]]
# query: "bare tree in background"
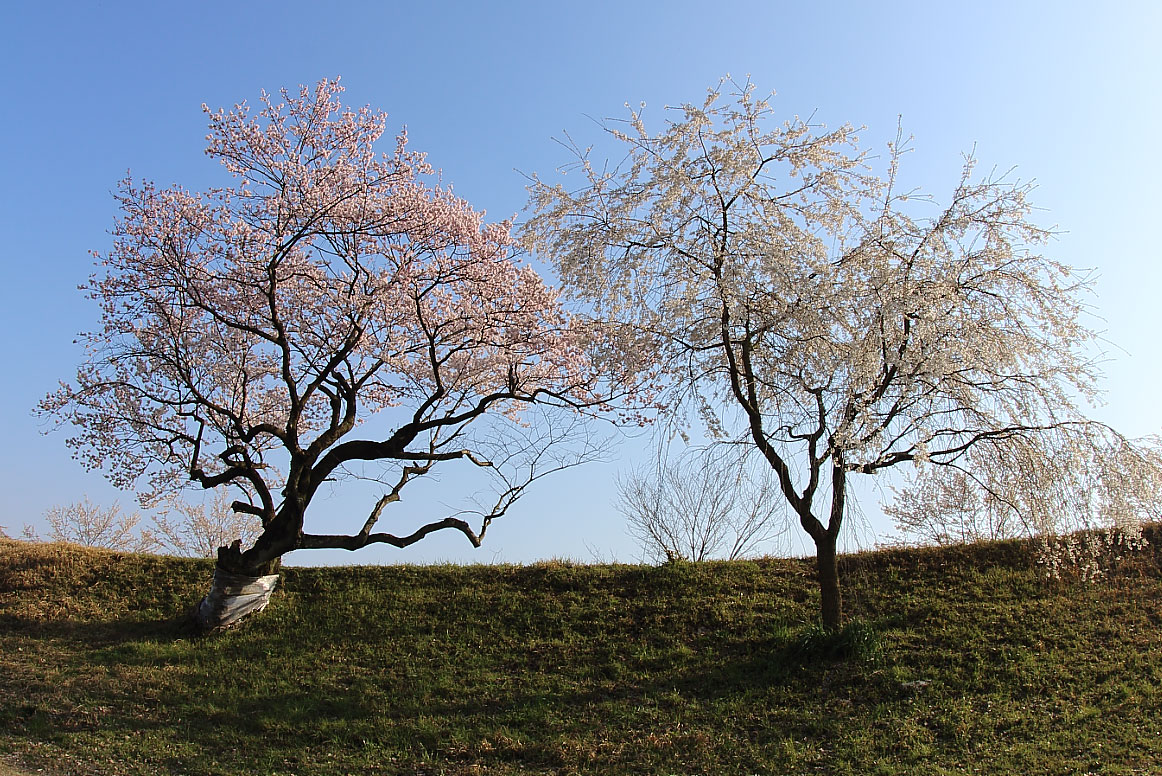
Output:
[[1078, 478], [95, 526], [182, 528], [198, 530], [699, 506], [944, 508]]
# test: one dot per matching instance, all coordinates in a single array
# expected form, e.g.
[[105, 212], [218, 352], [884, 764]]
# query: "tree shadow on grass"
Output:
[[532, 718], [100, 633]]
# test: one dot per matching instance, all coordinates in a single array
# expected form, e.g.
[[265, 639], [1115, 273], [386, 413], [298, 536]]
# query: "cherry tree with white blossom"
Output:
[[806, 306]]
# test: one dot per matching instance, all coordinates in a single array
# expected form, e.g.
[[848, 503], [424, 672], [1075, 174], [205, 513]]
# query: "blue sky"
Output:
[[1066, 93]]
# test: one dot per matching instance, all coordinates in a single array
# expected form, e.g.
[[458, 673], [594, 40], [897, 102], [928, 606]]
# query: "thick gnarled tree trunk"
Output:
[[233, 597], [244, 581]]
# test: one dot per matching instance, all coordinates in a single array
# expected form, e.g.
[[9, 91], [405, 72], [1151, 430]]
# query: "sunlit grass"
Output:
[[957, 661]]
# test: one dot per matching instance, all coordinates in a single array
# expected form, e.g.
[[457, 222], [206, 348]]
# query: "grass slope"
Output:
[[984, 668]]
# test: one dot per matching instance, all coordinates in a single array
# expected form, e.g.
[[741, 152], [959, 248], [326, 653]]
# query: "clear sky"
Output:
[[1063, 91]]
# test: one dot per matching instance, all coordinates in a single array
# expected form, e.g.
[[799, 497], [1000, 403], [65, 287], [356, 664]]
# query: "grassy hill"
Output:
[[975, 665]]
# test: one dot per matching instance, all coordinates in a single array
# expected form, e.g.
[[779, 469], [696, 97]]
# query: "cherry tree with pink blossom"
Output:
[[334, 311]]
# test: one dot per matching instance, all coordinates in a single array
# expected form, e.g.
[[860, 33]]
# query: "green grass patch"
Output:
[[956, 661], [857, 640]]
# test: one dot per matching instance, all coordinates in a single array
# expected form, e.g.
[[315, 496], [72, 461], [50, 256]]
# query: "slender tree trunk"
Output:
[[831, 602]]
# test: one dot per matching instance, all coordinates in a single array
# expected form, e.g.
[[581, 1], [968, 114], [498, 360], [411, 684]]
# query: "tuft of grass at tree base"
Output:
[[955, 661]]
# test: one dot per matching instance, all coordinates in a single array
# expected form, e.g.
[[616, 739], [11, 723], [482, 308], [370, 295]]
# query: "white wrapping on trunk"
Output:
[[232, 597]]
